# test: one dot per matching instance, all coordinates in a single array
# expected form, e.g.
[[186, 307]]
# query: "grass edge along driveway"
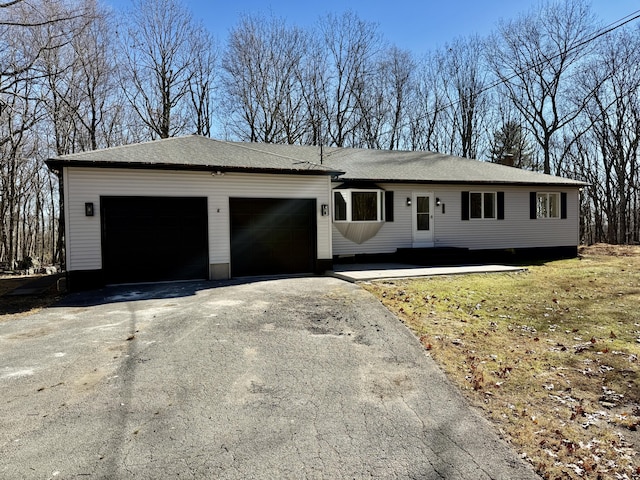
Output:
[[549, 355]]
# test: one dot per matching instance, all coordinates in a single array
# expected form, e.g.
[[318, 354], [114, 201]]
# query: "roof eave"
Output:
[[57, 163], [569, 183]]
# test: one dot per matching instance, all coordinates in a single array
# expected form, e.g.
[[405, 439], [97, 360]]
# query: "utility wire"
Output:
[[604, 31], [600, 33]]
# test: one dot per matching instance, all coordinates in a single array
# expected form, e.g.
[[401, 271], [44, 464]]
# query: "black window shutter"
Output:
[[532, 205], [500, 205], [388, 206], [563, 205], [465, 205]]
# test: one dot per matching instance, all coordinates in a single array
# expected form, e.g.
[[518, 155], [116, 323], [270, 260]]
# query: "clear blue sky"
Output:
[[415, 25]]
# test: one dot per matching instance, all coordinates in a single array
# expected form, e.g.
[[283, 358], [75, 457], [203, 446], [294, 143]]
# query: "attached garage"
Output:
[[150, 239], [188, 208], [272, 236]]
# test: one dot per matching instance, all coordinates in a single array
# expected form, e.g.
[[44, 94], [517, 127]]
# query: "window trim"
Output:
[[347, 196]]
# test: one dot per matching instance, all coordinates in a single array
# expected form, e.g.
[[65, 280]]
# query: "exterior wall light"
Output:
[[408, 201], [437, 202], [88, 209], [324, 209]]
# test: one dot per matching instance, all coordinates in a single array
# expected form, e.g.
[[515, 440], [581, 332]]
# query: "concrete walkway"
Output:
[[380, 271]]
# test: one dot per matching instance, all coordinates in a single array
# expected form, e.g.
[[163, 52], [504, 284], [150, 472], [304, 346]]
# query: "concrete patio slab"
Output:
[[381, 271]]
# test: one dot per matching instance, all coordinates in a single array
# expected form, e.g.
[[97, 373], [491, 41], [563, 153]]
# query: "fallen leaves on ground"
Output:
[[550, 355]]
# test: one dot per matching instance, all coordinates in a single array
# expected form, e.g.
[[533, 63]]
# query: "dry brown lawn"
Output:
[[549, 355]]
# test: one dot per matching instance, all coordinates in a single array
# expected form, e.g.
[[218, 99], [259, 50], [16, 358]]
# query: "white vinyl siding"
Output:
[[89, 184], [517, 230]]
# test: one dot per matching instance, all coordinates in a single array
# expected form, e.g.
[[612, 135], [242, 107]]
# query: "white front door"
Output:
[[422, 211]]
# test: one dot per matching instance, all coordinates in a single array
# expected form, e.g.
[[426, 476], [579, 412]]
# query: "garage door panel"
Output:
[[154, 238], [272, 236]]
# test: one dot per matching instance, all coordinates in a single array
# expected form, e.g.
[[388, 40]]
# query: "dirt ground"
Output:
[[599, 249]]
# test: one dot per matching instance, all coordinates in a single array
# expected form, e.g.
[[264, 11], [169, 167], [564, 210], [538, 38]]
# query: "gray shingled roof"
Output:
[[429, 167], [196, 152], [422, 167]]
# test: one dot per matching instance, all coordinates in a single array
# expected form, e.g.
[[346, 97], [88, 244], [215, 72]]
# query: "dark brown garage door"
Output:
[[150, 239], [272, 236]]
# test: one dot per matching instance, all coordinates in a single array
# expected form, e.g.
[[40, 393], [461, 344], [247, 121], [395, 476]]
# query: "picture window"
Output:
[[355, 205]]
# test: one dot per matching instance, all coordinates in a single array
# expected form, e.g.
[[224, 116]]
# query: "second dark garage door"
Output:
[[150, 239], [272, 236]]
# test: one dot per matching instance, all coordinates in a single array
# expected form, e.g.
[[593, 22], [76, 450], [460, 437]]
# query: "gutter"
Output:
[[55, 164]]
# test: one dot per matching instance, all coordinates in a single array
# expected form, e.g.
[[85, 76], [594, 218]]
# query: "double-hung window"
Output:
[[547, 205], [482, 204], [356, 205]]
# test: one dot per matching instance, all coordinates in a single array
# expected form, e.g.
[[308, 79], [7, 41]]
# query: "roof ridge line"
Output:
[[246, 147]]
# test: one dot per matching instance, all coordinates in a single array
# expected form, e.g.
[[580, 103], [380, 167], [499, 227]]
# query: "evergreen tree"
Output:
[[511, 147]]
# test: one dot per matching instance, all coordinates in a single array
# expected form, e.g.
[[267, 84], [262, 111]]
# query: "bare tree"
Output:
[[95, 62], [468, 100], [37, 26], [426, 104], [262, 66], [399, 69], [18, 119], [32, 32], [536, 57], [29, 14], [157, 51], [202, 84], [613, 113], [313, 78], [383, 99], [350, 45]]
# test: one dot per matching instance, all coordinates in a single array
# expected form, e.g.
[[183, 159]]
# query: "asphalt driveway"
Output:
[[298, 378]]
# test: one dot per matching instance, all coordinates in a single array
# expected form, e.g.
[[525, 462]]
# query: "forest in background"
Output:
[[553, 90]]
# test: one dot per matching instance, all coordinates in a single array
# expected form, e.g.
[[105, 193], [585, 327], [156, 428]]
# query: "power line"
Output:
[[602, 32], [608, 29]]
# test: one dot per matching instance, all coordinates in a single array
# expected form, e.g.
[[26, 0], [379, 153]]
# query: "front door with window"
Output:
[[422, 210]]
